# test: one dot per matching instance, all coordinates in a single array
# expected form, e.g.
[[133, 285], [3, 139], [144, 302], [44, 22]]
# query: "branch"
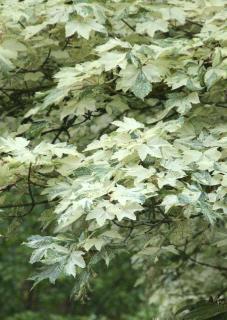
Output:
[[9, 186], [207, 264], [129, 25], [23, 70], [70, 124], [11, 206], [149, 223], [29, 185], [220, 268], [27, 90]]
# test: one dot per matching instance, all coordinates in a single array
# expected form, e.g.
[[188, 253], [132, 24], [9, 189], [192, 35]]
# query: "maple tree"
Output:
[[114, 122]]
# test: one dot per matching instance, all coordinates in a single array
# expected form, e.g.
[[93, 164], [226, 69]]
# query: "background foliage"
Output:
[[113, 157]]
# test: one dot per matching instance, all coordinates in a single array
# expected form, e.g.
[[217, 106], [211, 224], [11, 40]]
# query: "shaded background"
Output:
[[112, 295]]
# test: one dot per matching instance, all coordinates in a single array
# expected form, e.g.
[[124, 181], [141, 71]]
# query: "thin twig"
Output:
[[129, 25], [11, 206]]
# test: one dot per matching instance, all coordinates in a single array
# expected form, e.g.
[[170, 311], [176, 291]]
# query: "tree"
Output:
[[114, 127]]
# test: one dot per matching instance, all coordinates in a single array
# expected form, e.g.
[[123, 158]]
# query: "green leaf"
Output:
[[142, 87]]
